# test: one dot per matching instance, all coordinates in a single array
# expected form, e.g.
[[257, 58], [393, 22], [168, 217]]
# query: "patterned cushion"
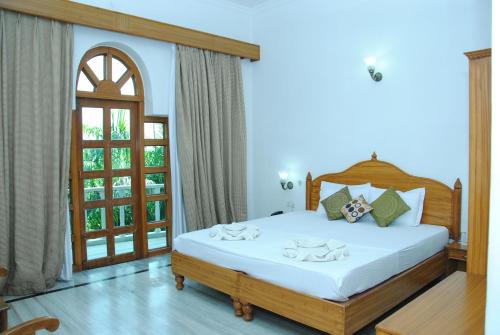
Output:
[[388, 207], [355, 209], [335, 202]]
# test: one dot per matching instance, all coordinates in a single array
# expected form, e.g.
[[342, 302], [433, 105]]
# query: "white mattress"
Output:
[[375, 254]]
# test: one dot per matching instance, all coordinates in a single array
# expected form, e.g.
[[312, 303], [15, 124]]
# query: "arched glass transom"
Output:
[[108, 73]]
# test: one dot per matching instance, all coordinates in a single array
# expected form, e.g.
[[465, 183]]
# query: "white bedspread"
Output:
[[314, 250], [375, 254]]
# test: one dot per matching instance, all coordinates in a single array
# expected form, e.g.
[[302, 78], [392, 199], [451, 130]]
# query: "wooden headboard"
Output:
[[442, 205]]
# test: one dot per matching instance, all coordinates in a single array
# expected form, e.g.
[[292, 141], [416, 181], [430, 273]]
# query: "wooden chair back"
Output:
[[31, 327], [26, 328]]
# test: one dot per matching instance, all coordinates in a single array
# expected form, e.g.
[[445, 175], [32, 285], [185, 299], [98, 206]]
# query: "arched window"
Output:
[[120, 169], [108, 73]]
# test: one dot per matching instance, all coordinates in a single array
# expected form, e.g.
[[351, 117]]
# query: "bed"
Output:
[[343, 296]]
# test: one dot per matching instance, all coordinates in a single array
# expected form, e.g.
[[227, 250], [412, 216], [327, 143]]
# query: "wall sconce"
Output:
[[285, 183], [370, 63]]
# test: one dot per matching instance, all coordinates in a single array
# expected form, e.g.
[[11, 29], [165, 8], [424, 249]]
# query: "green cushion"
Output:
[[335, 202], [388, 207]]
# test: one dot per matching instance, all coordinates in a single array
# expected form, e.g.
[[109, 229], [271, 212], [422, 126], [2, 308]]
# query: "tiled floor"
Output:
[[106, 273], [140, 298]]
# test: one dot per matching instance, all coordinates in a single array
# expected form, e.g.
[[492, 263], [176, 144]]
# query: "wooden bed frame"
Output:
[[441, 207]]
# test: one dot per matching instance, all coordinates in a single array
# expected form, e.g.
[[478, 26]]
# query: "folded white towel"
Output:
[[234, 232], [314, 250]]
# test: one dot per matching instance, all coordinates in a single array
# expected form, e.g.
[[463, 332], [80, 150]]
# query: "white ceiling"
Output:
[[248, 3]]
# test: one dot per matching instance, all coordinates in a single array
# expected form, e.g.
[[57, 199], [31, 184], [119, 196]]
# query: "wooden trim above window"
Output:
[[95, 17], [105, 96]]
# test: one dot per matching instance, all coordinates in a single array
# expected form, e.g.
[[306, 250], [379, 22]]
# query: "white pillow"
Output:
[[413, 198], [327, 189]]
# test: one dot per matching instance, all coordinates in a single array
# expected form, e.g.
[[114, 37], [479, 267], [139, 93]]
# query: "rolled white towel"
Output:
[[235, 226], [234, 232], [315, 250]]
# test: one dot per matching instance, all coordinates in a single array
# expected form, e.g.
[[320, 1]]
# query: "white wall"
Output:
[[493, 285], [154, 57], [310, 102], [315, 107]]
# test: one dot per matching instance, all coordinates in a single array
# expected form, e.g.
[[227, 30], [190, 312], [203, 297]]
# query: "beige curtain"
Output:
[[35, 112], [211, 137]]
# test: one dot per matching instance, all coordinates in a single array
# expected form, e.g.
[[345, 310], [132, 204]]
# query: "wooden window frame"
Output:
[[167, 196]]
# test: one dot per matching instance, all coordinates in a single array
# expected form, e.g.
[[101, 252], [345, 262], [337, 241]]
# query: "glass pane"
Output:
[[154, 131], [93, 159], [95, 219], [154, 156], [129, 87], [124, 244], [155, 183], [123, 216], [92, 123], [155, 211], [122, 187], [120, 158], [97, 66], [93, 189], [97, 248], [118, 69], [84, 84], [157, 238], [120, 124]]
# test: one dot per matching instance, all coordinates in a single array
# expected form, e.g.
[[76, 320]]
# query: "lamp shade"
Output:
[[370, 61], [283, 175]]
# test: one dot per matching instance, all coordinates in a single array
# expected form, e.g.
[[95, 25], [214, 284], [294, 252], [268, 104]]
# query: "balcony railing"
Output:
[[123, 191], [96, 248]]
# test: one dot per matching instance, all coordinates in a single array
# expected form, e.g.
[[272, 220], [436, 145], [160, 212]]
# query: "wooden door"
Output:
[[108, 183]]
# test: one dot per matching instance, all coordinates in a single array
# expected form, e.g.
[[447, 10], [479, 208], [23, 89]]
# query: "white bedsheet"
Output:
[[375, 254]]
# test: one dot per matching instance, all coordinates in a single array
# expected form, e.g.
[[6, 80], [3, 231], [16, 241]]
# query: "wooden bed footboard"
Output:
[[339, 318]]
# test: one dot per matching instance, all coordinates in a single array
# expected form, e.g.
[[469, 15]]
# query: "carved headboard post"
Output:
[[457, 209], [308, 191]]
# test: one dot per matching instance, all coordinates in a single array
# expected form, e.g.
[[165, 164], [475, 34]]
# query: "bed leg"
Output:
[[238, 311], [247, 311], [179, 282]]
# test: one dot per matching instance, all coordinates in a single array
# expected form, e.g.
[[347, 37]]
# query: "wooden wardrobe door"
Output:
[[479, 159]]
